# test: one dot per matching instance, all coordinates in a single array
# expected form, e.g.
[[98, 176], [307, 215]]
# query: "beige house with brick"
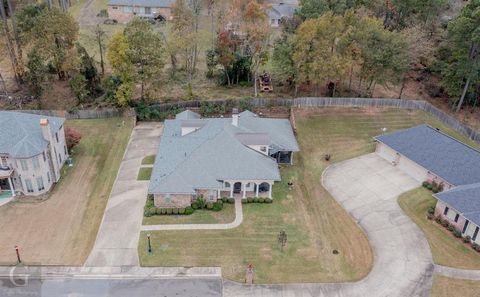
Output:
[[32, 153], [219, 157], [124, 10]]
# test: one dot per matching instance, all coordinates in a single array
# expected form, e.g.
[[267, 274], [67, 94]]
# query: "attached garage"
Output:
[[401, 162]]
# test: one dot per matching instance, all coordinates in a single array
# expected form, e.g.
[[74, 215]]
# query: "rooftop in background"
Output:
[[217, 151], [282, 9], [465, 199], [443, 155], [21, 135], [143, 3]]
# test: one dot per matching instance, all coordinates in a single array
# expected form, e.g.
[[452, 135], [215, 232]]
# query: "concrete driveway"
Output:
[[117, 238], [368, 187]]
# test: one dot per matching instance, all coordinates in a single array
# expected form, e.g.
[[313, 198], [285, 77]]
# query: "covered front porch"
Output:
[[244, 189], [7, 191]]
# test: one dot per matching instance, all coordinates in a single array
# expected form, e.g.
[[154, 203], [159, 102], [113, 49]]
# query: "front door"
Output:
[[237, 187]]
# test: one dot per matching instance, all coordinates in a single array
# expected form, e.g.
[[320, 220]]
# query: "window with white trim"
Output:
[[168, 198], [40, 184], [24, 164], [36, 163], [28, 183]]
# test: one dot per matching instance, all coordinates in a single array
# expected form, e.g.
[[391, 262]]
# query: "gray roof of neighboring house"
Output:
[[199, 160], [144, 3], [465, 199], [187, 115], [281, 10], [445, 156], [21, 135]]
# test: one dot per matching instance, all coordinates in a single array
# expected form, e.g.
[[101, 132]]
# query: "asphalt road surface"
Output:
[[210, 287]]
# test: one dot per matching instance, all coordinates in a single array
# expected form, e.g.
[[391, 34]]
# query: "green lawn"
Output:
[[447, 287], [144, 173], [204, 216], [314, 222], [148, 160], [446, 249]]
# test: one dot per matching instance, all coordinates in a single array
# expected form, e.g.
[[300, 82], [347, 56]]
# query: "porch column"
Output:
[[244, 190], [291, 158], [231, 190], [218, 194], [270, 191], [11, 186], [256, 192]]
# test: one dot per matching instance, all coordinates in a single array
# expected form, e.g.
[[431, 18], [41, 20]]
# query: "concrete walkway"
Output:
[[368, 187], [457, 272], [238, 220], [117, 238]]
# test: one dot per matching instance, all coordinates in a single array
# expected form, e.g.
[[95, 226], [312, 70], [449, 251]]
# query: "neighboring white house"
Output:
[[219, 157], [32, 152], [428, 154]]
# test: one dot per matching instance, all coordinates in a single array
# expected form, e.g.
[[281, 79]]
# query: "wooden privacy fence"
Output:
[[84, 113], [334, 102]]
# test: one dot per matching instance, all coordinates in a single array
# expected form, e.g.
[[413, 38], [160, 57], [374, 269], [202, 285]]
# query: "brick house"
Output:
[[219, 157], [32, 153], [124, 10], [428, 154]]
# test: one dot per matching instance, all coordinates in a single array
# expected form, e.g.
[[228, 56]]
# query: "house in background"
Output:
[[32, 152], [277, 11], [219, 157], [124, 10], [427, 154]]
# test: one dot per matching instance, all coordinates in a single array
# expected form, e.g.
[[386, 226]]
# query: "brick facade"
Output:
[[172, 200], [439, 181]]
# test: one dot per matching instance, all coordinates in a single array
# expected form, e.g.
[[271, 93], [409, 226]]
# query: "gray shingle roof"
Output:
[[187, 115], [21, 134], [465, 199], [452, 160], [281, 10], [143, 3], [200, 159]]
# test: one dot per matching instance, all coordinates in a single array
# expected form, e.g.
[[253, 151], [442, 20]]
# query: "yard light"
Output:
[[18, 254], [149, 244], [384, 130]]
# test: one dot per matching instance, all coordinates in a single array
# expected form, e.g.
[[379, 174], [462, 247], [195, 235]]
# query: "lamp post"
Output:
[[18, 254], [149, 244]]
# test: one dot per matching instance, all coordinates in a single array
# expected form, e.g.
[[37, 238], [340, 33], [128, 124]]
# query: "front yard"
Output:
[[62, 229], [200, 216], [447, 287], [446, 249]]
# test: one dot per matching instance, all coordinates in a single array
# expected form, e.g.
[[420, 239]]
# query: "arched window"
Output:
[[227, 185]]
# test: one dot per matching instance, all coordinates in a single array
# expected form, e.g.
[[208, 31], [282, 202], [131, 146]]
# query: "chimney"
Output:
[[45, 129], [235, 117]]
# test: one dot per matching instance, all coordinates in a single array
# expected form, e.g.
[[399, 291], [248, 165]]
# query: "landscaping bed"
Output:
[[144, 173]]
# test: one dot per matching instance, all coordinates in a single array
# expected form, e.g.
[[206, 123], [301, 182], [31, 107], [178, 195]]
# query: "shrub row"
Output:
[[434, 187], [168, 211], [450, 227], [200, 203], [257, 200]]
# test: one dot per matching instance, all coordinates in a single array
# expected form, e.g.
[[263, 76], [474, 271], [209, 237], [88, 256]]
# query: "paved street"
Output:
[[368, 187], [117, 238]]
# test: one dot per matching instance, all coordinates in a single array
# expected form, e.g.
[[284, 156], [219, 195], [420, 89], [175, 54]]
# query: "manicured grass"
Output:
[[446, 249], [447, 287], [144, 173], [226, 215], [314, 222], [148, 160], [62, 229]]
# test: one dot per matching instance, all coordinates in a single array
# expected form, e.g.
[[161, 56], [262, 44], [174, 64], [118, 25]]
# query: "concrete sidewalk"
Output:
[[457, 272], [117, 238], [238, 220]]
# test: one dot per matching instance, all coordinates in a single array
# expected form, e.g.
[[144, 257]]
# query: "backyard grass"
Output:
[[204, 216], [315, 224], [62, 229], [446, 249], [144, 173], [148, 160], [447, 287]]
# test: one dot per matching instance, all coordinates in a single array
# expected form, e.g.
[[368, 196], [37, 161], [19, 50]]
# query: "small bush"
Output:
[[244, 201], [430, 216], [224, 199], [451, 228], [474, 246], [477, 248], [438, 219], [457, 233], [431, 210], [189, 210], [175, 211], [181, 211], [445, 223], [217, 206], [169, 211], [467, 239], [164, 211], [435, 189], [231, 200], [261, 200], [195, 205], [158, 211], [268, 200], [209, 205], [148, 212], [250, 199], [150, 197], [202, 203], [429, 186], [425, 184], [255, 200]]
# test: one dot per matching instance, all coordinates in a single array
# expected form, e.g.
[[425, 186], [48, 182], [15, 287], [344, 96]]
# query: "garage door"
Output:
[[386, 152], [411, 168]]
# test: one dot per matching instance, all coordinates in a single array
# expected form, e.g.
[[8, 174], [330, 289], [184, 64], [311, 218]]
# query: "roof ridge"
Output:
[[438, 130]]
